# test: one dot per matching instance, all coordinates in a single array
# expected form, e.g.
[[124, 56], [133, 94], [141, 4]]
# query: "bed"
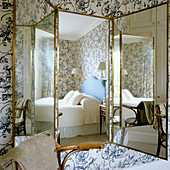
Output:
[[81, 112]]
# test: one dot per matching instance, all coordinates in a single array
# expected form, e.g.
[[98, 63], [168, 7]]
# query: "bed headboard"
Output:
[[94, 87]]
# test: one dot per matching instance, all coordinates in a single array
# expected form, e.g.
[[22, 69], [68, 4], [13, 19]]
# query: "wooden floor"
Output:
[[86, 138]]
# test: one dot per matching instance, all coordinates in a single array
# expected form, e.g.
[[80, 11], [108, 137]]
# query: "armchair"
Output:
[[42, 152], [162, 137], [22, 106]]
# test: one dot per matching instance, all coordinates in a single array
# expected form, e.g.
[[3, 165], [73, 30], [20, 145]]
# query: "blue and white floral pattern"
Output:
[[47, 23], [6, 31], [112, 157], [84, 54], [67, 62], [19, 61], [30, 12], [138, 62], [92, 49], [44, 66]]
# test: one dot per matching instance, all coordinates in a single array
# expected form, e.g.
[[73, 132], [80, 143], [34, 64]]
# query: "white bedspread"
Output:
[[91, 109], [73, 115], [44, 109], [87, 112]]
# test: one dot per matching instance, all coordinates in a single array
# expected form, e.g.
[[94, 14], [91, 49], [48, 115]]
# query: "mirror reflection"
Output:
[[23, 81], [83, 78], [140, 76], [137, 86], [34, 74], [44, 75]]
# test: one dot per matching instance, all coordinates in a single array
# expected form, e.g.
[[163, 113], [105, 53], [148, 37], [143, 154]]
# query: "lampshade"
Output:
[[74, 71], [102, 66]]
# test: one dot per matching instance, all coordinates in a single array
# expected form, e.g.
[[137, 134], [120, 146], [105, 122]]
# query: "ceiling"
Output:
[[130, 38], [74, 26], [41, 34]]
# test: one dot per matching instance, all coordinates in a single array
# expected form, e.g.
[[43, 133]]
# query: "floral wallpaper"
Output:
[[67, 61], [112, 157], [45, 64], [19, 61], [6, 31], [31, 11], [92, 49], [138, 62], [47, 23], [84, 54]]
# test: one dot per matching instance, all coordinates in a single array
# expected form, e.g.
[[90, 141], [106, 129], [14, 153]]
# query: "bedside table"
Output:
[[102, 114]]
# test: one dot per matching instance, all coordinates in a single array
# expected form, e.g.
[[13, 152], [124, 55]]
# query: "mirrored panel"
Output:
[[27, 83], [141, 81], [137, 59], [83, 78], [23, 81], [44, 75]]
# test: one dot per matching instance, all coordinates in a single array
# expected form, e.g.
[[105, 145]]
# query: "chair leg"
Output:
[[24, 130], [58, 137], [159, 147], [18, 130]]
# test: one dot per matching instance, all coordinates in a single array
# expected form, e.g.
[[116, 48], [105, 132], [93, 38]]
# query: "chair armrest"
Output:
[[129, 107], [18, 166], [80, 146], [73, 149], [19, 108], [160, 115], [60, 114]]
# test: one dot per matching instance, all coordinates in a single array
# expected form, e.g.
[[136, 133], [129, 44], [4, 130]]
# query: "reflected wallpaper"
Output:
[[68, 55], [112, 157], [84, 54], [19, 74], [92, 49], [44, 68], [138, 62]]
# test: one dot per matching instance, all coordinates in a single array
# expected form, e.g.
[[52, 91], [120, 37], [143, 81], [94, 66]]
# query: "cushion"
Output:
[[75, 99], [127, 94], [40, 148], [68, 96]]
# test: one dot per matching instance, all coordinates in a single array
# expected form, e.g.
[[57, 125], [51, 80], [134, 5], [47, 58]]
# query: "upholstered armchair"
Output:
[[42, 152]]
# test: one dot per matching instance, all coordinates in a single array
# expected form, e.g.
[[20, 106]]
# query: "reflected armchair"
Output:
[[21, 109], [161, 134], [143, 114]]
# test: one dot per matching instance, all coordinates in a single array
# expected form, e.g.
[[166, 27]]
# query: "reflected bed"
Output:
[[81, 111]]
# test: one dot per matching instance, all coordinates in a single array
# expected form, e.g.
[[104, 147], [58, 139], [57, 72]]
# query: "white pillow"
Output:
[[68, 96], [127, 94], [75, 99]]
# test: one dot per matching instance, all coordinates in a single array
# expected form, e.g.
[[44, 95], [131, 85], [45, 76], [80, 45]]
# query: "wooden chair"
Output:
[[20, 122], [162, 137], [131, 120], [42, 151], [73, 149], [137, 120], [57, 130]]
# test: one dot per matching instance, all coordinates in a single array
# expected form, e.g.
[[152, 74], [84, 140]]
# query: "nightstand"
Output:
[[102, 114]]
